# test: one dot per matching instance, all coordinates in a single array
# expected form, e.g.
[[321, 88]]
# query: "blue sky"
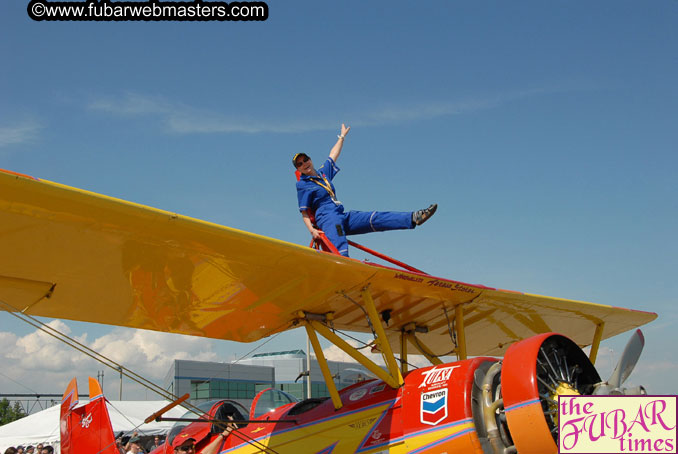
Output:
[[545, 131]]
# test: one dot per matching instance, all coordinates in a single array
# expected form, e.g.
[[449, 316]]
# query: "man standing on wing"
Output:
[[316, 194]]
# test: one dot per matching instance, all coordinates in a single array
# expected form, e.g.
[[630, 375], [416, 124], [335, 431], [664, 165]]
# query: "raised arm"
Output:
[[129, 445], [213, 447], [336, 149]]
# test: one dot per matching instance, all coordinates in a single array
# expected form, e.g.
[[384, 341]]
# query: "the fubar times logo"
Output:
[[617, 424]]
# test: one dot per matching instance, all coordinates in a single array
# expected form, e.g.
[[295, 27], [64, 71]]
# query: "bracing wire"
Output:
[[433, 354], [366, 345], [89, 352], [123, 370], [20, 384], [255, 349], [450, 329], [374, 334], [369, 322]]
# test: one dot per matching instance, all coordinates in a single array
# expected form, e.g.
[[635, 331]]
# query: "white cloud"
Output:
[[7, 339], [150, 353], [39, 363], [40, 351], [334, 353], [25, 131], [135, 104], [402, 114], [184, 119], [658, 377]]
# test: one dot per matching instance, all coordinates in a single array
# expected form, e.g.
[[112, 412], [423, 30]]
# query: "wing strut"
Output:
[[423, 349], [355, 354], [393, 377], [322, 362], [408, 333], [403, 352], [382, 340], [461, 333], [597, 337]]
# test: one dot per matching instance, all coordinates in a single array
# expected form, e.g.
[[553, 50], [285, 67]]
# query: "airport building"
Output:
[[286, 371]]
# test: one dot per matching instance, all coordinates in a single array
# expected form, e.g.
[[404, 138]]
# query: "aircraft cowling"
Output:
[[535, 372], [439, 401]]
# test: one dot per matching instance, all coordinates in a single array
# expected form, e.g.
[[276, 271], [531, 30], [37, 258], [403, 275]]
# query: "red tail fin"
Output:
[[68, 401], [86, 429]]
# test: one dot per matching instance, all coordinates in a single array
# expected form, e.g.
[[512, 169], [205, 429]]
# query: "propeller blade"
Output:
[[629, 358]]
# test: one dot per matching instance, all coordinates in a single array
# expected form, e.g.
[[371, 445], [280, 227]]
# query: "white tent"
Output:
[[126, 416]]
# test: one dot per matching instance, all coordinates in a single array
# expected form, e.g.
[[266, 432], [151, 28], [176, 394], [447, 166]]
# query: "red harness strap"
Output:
[[322, 243]]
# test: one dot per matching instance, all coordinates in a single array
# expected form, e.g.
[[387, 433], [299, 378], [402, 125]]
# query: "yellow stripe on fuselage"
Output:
[[347, 432], [419, 440]]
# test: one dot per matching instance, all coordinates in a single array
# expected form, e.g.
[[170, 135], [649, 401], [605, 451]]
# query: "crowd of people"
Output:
[[132, 445], [180, 445], [137, 444], [30, 449]]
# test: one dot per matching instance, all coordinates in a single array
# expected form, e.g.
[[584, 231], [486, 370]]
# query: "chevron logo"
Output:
[[433, 407]]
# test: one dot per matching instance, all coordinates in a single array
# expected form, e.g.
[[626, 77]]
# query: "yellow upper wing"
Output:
[[77, 255]]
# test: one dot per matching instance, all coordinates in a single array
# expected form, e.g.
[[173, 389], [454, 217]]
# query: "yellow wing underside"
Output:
[[73, 254]]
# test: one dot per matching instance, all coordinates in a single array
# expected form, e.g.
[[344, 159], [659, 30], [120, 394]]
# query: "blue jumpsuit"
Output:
[[329, 212]]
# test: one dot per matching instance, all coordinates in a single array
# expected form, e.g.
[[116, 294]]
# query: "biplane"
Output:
[[73, 254]]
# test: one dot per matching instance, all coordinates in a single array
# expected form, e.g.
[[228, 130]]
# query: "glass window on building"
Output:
[[223, 389], [319, 390], [298, 390], [200, 389], [260, 387]]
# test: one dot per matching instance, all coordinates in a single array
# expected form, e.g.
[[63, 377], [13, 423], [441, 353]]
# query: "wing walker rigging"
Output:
[[73, 254]]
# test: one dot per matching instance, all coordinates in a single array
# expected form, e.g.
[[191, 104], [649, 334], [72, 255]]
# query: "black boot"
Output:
[[421, 216]]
